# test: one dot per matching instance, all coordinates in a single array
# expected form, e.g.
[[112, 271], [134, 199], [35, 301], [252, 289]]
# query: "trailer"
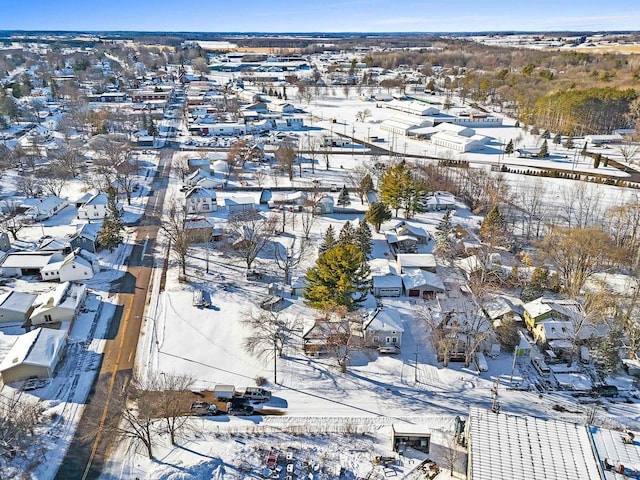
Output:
[[224, 392]]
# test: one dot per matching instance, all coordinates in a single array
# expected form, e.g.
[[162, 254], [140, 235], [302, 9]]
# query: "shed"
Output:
[[34, 355], [414, 436], [386, 285], [15, 306]]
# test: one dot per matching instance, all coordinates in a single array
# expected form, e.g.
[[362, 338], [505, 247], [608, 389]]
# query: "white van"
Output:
[[481, 362]]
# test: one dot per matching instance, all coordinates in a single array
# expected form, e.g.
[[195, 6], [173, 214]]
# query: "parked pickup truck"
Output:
[[203, 409]]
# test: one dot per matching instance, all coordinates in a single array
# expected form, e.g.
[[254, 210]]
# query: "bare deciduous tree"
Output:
[[19, 416], [287, 257], [251, 233], [172, 394], [286, 157], [174, 227]]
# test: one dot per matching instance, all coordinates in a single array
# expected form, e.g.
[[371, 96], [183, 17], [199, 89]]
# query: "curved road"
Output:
[[90, 445]]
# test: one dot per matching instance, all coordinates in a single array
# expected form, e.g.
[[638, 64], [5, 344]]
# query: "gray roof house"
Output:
[[383, 328], [15, 306]]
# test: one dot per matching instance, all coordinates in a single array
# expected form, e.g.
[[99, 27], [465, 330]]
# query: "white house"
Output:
[[61, 304], [439, 201], [45, 208], [78, 265], [15, 306], [34, 355], [96, 208], [203, 178], [386, 285], [383, 328], [201, 200]]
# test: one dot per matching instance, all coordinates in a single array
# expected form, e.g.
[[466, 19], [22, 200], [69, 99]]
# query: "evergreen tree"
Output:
[[557, 139], [444, 242], [535, 130], [395, 184], [544, 150], [377, 214], [343, 199], [493, 228], [110, 235], [517, 124], [363, 234], [347, 235], [509, 148], [583, 152], [568, 142], [152, 130], [329, 240], [339, 278], [546, 135]]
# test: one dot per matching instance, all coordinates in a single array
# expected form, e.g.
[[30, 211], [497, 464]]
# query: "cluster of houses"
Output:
[[236, 112], [47, 318]]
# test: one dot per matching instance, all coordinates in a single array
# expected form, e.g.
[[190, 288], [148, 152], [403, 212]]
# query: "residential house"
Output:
[[60, 304], [15, 307], [401, 243], [550, 309], [421, 283], [422, 261], [60, 245], [407, 229], [45, 208], [202, 230], [298, 285], [19, 264], [439, 201], [320, 337], [324, 205], [383, 328], [35, 354], [78, 265], [86, 237], [203, 178], [201, 200], [386, 285], [199, 163], [96, 208]]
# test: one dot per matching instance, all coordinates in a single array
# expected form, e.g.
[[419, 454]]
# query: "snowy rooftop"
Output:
[[384, 320], [416, 260], [610, 445], [506, 446], [386, 281], [27, 259], [37, 348], [414, 278], [16, 301]]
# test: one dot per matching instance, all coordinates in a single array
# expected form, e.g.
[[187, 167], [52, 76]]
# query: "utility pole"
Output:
[[275, 361], [415, 371]]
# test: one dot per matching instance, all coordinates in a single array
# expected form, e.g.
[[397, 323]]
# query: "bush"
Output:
[[260, 380]]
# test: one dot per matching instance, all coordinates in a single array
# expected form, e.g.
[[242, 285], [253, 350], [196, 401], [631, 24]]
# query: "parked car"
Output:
[[605, 391], [388, 349], [257, 394], [203, 409], [239, 409]]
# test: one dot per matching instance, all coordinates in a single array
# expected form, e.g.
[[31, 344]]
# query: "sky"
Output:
[[321, 16]]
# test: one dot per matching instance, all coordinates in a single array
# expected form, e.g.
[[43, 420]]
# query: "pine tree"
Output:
[[444, 242], [110, 235], [544, 150], [347, 235], [339, 278], [377, 214], [583, 152], [596, 160], [363, 234], [568, 142], [343, 199], [557, 139], [546, 135], [394, 186], [509, 148], [152, 130], [329, 240], [493, 228]]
